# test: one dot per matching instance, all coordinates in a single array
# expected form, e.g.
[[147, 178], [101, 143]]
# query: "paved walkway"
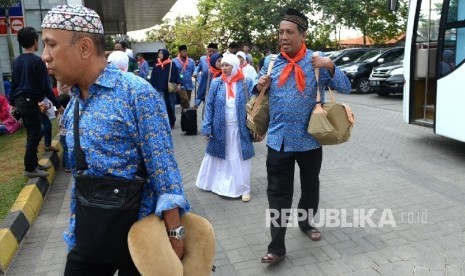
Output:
[[407, 171]]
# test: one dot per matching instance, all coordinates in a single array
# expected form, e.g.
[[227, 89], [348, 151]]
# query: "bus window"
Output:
[[454, 14]]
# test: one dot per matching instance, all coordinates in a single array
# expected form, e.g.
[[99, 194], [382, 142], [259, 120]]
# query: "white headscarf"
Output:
[[241, 54], [120, 59], [231, 59], [129, 53]]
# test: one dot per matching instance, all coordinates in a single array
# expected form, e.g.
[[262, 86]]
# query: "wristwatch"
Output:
[[177, 233]]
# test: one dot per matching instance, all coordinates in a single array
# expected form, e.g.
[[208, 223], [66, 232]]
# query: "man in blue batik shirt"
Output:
[[292, 95], [202, 69], [186, 67], [123, 121]]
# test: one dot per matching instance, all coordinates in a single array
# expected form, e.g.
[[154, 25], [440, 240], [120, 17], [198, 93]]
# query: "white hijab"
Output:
[[231, 59], [120, 59]]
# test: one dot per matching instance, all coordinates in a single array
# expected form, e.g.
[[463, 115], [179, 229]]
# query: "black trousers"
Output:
[[169, 107], [31, 115], [76, 265], [280, 169]]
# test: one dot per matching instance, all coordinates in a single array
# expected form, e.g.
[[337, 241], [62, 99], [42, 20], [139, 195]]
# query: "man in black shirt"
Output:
[[30, 85]]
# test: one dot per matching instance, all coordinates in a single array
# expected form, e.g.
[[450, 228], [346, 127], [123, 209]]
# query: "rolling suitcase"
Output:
[[189, 117], [189, 121]]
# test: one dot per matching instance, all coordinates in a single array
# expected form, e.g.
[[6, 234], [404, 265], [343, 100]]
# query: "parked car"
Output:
[[388, 78], [359, 70], [347, 55]]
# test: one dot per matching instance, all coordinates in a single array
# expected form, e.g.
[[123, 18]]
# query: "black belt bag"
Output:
[[106, 208], [105, 211]]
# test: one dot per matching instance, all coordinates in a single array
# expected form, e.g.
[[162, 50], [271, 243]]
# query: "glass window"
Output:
[[456, 11], [428, 22]]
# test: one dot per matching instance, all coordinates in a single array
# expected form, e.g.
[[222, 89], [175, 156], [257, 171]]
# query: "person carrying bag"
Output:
[[107, 206]]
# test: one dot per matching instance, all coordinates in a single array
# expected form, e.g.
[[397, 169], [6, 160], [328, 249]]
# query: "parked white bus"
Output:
[[434, 71]]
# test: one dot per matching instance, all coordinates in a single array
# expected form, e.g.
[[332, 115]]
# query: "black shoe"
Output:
[[44, 167], [35, 173]]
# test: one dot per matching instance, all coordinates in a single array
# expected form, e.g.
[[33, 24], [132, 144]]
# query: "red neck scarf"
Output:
[[214, 71], [162, 64], [184, 64], [292, 65], [239, 76]]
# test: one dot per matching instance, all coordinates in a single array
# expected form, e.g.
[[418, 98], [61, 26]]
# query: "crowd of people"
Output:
[[117, 118]]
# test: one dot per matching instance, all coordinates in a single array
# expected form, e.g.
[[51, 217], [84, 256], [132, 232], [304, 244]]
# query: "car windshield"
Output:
[[334, 54], [369, 57]]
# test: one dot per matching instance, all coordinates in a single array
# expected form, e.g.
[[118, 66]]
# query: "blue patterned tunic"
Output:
[[214, 122], [121, 114], [290, 109], [186, 75]]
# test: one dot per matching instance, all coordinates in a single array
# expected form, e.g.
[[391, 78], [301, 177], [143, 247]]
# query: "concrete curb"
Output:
[[26, 208]]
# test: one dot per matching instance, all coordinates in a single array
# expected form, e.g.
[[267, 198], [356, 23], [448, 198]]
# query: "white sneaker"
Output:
[[245, 198], [35, 173]]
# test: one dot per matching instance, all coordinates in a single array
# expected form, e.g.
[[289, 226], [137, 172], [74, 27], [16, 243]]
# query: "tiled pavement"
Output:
[[405, 170]]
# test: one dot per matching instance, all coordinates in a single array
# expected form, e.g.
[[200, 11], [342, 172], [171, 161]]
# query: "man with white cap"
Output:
[[121, 123]]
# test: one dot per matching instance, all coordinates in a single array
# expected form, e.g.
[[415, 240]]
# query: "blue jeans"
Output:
[[65, 152], [46, 129]]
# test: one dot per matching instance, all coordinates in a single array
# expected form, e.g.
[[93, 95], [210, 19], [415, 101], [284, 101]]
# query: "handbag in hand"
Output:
[[106, 208], [258, 111], [330, 123], [171, 85]]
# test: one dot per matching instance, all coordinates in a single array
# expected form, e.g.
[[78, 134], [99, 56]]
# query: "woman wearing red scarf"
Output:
[[292, 97], [225, 169], [159, 80]]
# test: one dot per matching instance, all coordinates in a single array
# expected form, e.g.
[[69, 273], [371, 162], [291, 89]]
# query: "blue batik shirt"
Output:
[[290, 109], [185, 73], [122, 122]]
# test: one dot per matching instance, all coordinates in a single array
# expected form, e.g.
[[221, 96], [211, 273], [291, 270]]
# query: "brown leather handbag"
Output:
[[258, 111]]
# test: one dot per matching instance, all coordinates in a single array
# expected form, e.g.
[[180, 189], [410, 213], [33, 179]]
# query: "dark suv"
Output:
[[388, 78], [359, 70], [347, 55]]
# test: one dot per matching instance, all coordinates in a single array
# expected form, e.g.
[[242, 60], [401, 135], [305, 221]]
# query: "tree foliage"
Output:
[[371, 17], [256, 22]]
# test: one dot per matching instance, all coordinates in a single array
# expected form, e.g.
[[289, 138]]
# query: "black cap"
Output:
[[213, 45], [296, 17], [182, 47]]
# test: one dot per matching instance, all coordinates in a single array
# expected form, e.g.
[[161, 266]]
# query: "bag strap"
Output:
[[81, 163], [169, 74], [317, 76], [259, 99]]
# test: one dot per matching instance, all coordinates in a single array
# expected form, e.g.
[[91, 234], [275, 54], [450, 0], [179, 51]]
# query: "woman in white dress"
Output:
[[226, 166]]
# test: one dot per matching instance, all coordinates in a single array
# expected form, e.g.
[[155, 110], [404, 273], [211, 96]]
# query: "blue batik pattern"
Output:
[[290, 109], [214, 122], [121, 115]]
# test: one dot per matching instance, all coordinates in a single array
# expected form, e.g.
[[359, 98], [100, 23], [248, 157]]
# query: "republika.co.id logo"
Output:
[[343, 217]]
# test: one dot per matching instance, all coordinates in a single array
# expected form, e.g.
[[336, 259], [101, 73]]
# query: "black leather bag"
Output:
[[105, 211], [106, 208]]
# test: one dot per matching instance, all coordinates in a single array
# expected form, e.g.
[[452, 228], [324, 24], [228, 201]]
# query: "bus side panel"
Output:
[[450, 106], [408, 59]]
